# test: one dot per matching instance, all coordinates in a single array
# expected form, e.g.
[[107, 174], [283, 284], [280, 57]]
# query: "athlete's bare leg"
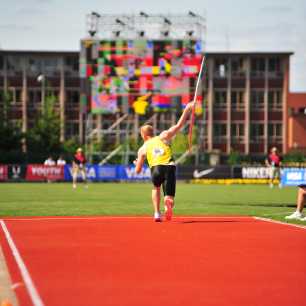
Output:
[[74, 176], [169, 204], [301, 199], [156, 200]]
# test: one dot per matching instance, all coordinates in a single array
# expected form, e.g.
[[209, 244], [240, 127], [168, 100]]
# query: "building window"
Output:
[[73, 97], [237, 132], [72, 63], [34, 97], [275, 130], [257, 99], [258, 66], [237, 66], [14, 66], [36, 66], [221, 67], [257, 132], [51, 66], [237, 129], [219, 129], [237, 100], [1, 62], [274, 64], [220, 99], [275, 99], [72, 129]]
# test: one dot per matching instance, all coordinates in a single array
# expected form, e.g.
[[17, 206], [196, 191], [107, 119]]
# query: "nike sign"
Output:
[[198, 174]]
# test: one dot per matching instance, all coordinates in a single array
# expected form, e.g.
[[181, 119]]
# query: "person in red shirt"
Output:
[[78, 166], [274, 162]]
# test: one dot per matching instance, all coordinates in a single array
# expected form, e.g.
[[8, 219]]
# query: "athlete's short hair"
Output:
[[147, 130]]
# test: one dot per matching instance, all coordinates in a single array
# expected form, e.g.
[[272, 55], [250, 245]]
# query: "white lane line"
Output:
[[125, 218], [36, 300], [281, 223]]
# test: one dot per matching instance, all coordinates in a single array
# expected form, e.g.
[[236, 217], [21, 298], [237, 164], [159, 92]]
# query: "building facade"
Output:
[[27, 77], [297, 121], [246, 97]]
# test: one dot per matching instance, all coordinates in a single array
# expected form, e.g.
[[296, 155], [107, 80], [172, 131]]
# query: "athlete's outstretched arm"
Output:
[[168, 134], [139, 161]]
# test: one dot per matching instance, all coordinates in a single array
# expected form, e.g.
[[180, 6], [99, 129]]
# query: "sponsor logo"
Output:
[[198, 174], [3, 172], [294, 176], [46, 171], [107, 172], [90, 173], [256, 172], [131, 173], [16, 171]]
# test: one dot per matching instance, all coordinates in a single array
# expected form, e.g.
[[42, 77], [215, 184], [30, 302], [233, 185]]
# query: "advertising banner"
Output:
[[107, 173], [110, 173], [293, 176], [16, 172], [3, 172], [37, 172], [128, 173], [204, 172], [91, 173], [256, 172]]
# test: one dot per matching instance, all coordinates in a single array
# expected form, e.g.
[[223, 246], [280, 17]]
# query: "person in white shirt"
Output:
[[49, 161], [61, 161]]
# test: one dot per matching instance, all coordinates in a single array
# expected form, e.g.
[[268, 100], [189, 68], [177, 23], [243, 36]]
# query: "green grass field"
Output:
[[43, 199]]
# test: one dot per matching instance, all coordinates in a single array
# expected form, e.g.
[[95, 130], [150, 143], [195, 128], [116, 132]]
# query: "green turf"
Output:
[[43, 199]]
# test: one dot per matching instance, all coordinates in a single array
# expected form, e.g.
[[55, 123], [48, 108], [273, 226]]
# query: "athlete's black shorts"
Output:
[[164, 175]]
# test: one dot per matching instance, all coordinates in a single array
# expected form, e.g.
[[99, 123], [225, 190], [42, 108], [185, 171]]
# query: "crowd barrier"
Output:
[[97, 173]]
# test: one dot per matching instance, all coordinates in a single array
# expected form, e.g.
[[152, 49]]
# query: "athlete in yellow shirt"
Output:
[[157, 151]]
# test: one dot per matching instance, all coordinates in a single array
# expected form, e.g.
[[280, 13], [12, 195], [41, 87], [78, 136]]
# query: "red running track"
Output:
[[134, 261]]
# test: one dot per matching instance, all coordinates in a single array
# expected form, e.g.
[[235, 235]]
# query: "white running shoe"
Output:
[[296, 216], [157, 217]]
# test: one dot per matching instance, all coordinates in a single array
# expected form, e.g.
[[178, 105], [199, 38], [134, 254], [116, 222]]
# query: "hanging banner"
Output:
[[37, 172], [16, 172], [3, 172], [293, 176]]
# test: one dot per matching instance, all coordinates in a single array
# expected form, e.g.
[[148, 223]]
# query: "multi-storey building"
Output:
[[29, 76], [246, 103], [297, 121]]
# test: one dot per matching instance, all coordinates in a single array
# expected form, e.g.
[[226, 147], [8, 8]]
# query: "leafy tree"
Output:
[[10, 134], [44, 137], [234, 158]]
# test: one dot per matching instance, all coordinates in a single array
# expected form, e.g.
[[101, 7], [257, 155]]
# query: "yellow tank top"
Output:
[[158, 152]]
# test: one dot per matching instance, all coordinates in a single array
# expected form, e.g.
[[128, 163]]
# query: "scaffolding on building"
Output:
[[121, 128]]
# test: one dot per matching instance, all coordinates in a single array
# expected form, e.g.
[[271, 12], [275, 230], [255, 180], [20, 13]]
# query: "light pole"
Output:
[[41, 79]]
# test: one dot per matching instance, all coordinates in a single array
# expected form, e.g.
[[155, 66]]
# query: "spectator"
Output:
[[61, 161], [274, 162], [78, 166], [49, 161]]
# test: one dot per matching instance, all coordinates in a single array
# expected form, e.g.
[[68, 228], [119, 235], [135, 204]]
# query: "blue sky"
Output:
[[232, 25]]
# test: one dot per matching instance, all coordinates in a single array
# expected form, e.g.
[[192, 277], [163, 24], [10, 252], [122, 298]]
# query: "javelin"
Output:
[[192, 119]]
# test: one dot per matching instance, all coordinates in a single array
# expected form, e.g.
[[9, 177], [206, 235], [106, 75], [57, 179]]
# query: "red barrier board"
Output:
[[3, 172], [37, 172]]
